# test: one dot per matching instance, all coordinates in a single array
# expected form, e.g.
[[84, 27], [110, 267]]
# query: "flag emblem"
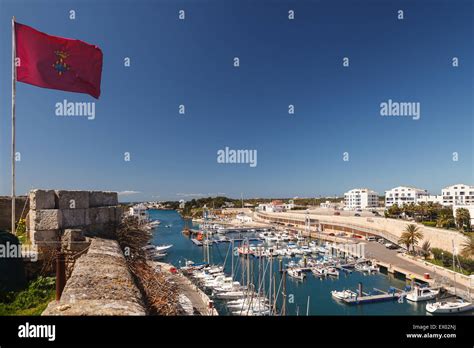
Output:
[[58, 63], [61, 66]]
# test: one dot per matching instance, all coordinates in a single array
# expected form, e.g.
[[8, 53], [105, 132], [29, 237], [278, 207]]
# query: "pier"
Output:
[[197, 242], [366, 298]]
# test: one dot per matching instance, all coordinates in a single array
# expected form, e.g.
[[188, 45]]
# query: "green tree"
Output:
[[410, 237], [394, 210], [445, 219], [426, 249], [463, 219], [468, 247]]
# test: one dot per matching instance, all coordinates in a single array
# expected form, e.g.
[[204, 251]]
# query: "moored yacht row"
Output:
[[240, 300]]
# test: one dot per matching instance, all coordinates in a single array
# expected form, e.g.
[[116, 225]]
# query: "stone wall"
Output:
[[97, 213], [100, 284], [6, 211], [438, 238]]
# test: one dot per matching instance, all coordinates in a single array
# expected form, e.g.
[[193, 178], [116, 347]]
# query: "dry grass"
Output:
[[161, 296]]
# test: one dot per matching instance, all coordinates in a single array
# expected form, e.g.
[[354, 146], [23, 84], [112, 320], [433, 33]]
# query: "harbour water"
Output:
[[318, 290]]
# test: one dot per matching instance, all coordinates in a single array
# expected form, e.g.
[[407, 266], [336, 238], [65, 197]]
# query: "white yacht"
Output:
[[332, 271], [422, 294], [296, 273], [446, 307], [341, 295], [160, 248]]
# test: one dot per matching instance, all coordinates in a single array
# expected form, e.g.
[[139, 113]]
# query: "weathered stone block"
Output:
[[74, 240], [42, 199], [102, 199], [74, 235], [49, 236], [98, 215], [118, 214], [45, 219], [74, 217], [72, 199]]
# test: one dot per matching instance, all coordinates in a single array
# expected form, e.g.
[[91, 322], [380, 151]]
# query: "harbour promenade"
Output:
[[390, 260]]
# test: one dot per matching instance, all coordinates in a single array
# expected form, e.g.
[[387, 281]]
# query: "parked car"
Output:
[[371, 238], [356, 214], [337, 213], [390, 246]]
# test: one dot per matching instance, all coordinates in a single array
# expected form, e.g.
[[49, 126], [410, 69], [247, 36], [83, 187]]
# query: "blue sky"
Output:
[[283, 62]]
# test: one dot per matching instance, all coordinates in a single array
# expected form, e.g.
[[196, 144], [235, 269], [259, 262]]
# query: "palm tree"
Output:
[[444, 220], [410, 237], [468, 247], [426, 249], [463, 219]]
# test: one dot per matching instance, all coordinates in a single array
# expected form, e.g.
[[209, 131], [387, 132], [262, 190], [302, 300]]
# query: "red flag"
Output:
[[58, 63]]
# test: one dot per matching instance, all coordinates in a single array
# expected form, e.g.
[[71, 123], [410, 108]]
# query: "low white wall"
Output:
[[438, 238]]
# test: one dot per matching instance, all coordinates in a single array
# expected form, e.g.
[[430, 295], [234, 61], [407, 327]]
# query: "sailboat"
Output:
[[445, 307], [454, 306]]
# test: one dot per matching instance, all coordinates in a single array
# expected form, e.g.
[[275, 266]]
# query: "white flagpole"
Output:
[[13, 123]]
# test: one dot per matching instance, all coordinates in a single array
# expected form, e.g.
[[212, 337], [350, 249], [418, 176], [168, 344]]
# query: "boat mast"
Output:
[[248, 264], [232, 260], [274, 294], [283, 308], [270, 282]]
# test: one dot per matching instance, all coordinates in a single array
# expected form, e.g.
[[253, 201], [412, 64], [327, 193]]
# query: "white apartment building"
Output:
[[360, 198], [459, 194], [430, 199], [404, 195], [140, 212]]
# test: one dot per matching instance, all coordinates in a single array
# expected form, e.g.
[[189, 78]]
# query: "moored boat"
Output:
[[296, 273], [341, 295], [449, 307], [421, 294]]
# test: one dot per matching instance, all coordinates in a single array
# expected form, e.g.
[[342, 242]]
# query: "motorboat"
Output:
[[157, 256], [367, 268], [244, 250], [154, 223], [447, 307], [296, 273], [422, 294], [342, 295], [160, 248], [331, 271], [152, 254]]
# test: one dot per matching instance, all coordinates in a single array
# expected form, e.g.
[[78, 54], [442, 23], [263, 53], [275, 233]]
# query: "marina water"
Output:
[[319, 290]]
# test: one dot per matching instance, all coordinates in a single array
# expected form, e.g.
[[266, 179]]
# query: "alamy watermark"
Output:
[[405, 109], [228, 155], [85, 109], [12, 250]]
